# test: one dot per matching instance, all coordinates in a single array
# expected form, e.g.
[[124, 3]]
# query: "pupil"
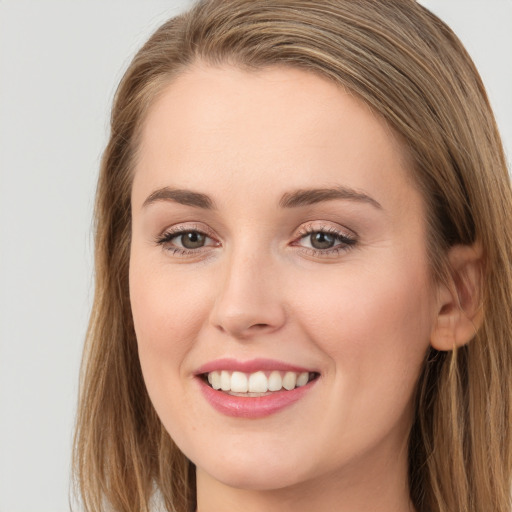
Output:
[[322, 240], [192, 240]]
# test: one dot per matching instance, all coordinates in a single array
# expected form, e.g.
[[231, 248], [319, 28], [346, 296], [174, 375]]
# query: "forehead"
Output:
[[218, 128]]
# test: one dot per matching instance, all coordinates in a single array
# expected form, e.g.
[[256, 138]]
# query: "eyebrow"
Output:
[[295, 199], [307, 197], [185, 197]]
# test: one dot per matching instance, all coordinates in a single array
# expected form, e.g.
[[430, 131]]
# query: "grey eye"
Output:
[[321, 240], [192, 240]]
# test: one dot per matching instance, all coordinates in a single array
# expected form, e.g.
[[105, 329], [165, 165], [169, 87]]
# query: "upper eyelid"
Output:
[[310, 227], [185, 228]]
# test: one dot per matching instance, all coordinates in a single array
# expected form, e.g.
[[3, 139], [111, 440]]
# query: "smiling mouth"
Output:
[[260, 383]]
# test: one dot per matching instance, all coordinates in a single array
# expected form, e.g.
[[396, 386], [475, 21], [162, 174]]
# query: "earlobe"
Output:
[[459, 307]]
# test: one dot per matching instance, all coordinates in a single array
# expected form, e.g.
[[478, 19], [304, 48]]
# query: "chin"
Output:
[[262, 468], [250, 476]]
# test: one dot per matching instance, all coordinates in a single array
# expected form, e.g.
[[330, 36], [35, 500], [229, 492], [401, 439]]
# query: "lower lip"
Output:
[[253, 407]]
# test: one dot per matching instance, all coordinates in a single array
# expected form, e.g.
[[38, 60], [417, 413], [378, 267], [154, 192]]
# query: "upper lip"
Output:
[[250, 366]]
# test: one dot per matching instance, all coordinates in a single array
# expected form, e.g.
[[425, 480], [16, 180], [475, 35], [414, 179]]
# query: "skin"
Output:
[[361, 316]]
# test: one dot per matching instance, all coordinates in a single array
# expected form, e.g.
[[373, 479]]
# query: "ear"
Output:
[[459, 311]]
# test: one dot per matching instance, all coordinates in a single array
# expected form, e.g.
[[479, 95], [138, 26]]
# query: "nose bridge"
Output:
[[249, 300]]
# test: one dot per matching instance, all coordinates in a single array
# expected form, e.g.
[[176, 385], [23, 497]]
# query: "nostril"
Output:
[[246, 319]]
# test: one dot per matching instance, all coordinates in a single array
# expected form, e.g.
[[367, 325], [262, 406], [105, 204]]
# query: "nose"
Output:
[[249, 301]]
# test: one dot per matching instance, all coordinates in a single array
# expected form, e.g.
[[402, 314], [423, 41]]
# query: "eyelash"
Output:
[[345, 241], [169, 236]]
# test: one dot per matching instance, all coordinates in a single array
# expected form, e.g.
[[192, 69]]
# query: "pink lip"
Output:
[[252, 407], [251, 366]]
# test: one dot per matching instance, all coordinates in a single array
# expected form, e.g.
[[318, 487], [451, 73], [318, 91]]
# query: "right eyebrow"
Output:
[[185, 197]]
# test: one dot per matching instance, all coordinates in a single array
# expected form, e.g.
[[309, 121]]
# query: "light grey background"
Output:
[[60, 62]]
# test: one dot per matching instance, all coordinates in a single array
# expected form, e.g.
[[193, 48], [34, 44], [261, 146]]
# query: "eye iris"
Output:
[[321, 240], [193, 240]]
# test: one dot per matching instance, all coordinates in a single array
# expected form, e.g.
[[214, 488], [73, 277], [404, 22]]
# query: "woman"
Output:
[[304, 280]]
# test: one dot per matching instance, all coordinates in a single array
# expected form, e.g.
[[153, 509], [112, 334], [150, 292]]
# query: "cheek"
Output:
[[167, 319], [375, 326], [164, 308]]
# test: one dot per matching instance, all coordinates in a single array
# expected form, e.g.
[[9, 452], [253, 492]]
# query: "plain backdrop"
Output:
[[60, 61]]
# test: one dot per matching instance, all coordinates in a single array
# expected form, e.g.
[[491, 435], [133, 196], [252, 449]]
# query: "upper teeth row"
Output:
[[257, 382]]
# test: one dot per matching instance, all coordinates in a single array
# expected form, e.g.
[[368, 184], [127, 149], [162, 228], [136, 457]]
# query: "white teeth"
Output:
[[214, 379], [289, 381], [239, 382], [275, 381], [257, 382], [225, 381], [302, 379]]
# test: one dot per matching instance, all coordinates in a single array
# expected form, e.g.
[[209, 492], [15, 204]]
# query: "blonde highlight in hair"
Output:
[[411, 70]]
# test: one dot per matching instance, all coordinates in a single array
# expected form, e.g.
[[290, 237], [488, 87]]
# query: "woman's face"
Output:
[[278, 242]]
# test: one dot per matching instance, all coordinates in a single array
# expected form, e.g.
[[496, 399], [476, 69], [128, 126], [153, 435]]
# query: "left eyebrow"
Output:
[[305, 197]]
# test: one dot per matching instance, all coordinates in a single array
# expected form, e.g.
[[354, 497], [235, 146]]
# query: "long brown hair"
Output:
[[411, 70]]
